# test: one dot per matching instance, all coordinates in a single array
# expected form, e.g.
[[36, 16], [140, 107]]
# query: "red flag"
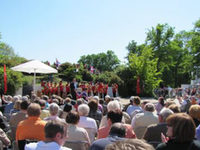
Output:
[[5, 80], [138, 86]]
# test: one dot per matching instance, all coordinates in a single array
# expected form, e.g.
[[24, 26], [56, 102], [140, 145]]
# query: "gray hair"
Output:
[[113, 106], [53, 109], [165, 112], [83, 110], [149, 107]]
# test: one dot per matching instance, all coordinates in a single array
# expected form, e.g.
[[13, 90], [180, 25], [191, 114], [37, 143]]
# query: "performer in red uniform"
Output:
[[100, 89], [105, 90], [55, 89], [60, 88], [67, 88], [114, 89]]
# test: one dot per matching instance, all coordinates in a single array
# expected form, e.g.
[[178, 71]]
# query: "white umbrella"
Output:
[[34, 66]]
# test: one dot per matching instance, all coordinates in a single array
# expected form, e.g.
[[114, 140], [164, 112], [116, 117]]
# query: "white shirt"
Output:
[[45, 146], [87, 122], [54, 118]]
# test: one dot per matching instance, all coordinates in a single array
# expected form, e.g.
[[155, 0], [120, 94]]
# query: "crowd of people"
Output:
[[77, 89], [45, 122]]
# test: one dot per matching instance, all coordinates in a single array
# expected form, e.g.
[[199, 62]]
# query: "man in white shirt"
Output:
[[55, 134]]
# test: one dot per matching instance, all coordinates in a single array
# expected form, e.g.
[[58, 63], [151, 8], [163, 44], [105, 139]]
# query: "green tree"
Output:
[[102, 61], [145, 67], [67, 71], [159, 39]]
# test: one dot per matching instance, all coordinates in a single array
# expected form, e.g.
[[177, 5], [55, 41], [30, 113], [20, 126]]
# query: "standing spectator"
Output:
[[73, 86]]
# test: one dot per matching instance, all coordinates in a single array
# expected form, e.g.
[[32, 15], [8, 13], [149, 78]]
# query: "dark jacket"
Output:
[[173, 145]]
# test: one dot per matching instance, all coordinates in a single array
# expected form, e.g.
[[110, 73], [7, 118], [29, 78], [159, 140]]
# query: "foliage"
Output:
[[146, 68], [102, 61], [14, 80], [67, 71], [128, 87], [108, 77]]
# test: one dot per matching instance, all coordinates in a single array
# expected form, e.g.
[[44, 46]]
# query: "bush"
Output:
[[14, 80]]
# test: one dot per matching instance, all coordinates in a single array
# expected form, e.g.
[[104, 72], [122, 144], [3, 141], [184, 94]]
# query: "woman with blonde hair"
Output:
[[194, 112]]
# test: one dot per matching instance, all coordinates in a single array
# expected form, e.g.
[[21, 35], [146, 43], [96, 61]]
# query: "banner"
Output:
[[138, 86], [5, 80]]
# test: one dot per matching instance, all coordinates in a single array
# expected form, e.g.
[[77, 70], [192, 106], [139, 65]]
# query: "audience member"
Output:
[[54, 110], [194, 112], [115, 117], [19, 116], [129, 144], [135, 105], [75, 133], [55, 136], [142, 120], [154, 131], [33, 126], [117, 132], [180, 132]]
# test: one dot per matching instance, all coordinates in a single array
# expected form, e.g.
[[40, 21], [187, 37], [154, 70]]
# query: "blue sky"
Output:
[[68, 29]]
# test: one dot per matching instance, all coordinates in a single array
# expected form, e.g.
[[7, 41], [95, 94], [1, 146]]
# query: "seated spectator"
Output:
[[153, 132], [112, 106], [160, 104], [67, 109], [175, 108], [180, 132], [54, 110], [55, 136], [75, 133], [94, 112], [19, 116], [44, 113], [198, 133], [85, 121], [9, 106], [33, 126], [194, 112], [3, 138], [135, 105], [100, 107], [142, 120], [117, 132], [16, 107], [129, 144], [115, 117]]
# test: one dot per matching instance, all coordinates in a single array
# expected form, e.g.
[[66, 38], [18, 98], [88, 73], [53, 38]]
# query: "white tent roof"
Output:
[[34, 66]]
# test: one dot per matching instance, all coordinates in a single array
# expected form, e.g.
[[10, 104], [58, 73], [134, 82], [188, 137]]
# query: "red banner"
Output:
[[5, 80], [138, 86]]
